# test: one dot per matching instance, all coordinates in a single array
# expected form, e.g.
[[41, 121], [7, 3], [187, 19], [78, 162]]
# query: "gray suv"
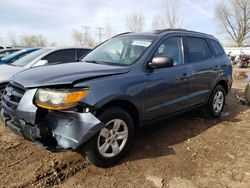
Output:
[[133, 79]]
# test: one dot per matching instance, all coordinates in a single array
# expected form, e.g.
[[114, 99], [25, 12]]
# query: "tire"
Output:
[[104, 152], [215, 103]]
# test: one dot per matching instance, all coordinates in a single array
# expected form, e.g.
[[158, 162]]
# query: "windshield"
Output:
[[28, 58], [122, 51], [13, 55]]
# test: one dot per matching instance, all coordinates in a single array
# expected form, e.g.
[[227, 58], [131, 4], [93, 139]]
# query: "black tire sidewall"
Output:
[[92, 152], [211, 101]]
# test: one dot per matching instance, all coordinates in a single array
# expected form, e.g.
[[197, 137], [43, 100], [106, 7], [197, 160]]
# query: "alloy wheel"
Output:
[[112, 138], [218, 101]]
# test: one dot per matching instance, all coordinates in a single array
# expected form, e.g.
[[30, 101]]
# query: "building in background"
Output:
[[237, 50]]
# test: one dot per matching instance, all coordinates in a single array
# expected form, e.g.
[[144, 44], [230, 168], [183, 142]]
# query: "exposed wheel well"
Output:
[[125, 105], [223, 83]]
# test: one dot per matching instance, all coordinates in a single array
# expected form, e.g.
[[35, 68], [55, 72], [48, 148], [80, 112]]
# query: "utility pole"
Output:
[[100, 29], [86, 28]]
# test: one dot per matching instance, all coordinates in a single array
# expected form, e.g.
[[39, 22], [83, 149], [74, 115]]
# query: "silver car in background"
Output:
[[44, 56]]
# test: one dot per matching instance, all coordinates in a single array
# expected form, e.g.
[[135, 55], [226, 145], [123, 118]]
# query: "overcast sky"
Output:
[[55, 19]]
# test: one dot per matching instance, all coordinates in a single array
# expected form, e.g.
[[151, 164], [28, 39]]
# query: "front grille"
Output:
[[13, 94]]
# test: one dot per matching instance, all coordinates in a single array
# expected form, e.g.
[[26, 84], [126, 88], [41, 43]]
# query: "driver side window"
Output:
[[171, 47]]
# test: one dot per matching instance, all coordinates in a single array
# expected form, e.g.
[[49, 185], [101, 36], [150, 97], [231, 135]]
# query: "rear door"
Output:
[[167, 89], [204, 71]]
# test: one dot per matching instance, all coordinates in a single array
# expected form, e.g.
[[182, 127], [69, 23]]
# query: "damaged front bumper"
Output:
[[55, 130]]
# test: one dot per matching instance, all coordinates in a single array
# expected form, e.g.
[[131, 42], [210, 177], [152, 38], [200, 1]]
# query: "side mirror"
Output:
[[40, 63], [161, 62]]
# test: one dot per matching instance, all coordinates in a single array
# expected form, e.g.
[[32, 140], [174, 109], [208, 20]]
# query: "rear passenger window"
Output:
[[198, 49], [218, 50], [61, 56], [81, 53]]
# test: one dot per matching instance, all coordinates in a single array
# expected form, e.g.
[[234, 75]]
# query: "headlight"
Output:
[[59, 99]]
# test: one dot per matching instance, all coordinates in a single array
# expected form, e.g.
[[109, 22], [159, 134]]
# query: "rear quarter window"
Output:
[[198, 49], [81, 53], [61, 56], [218, 50]]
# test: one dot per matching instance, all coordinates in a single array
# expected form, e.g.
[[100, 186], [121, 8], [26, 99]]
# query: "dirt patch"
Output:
[[188, 151]]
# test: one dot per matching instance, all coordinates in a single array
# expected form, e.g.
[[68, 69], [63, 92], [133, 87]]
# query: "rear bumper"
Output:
[[55, 130]]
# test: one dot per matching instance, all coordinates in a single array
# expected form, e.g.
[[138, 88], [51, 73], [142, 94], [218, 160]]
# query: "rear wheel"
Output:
[[216, 102], [111, 144]]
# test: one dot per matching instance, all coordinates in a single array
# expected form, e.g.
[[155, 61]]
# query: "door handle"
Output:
[[216, 68], [184, 76]]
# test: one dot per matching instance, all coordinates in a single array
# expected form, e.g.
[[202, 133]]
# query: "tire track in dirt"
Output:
[[24, 164]]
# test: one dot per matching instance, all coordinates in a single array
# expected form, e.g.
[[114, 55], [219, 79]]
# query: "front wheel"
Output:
[[111, 144], [216, 102]]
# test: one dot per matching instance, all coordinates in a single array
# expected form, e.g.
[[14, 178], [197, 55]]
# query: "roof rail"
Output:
[[185, 30], [122, 34], [159, 31]]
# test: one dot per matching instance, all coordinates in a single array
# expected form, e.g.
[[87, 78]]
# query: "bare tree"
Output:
[[12, 39], [41, 41], [78, 37], [135, 22], [108, 30], [33, 40], [91, 42], [53, 44], [172, 13], [234, 16], [158, 22], [171, 16], [83, 39]]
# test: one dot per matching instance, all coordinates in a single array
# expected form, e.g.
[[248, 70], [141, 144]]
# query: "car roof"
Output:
[[35, 48], [164, 32], [66, 48], [12, 49]]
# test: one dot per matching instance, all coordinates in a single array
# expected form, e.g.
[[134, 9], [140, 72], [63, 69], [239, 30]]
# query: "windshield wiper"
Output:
[[94, 61]]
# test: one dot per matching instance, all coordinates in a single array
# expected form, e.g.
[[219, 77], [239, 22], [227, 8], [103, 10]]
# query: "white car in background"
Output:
[[40, 57], [5, 47]]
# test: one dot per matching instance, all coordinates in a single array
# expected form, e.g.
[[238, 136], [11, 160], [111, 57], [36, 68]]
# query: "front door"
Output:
[[167, 89]]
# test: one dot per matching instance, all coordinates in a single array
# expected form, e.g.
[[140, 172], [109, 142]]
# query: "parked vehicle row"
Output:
[[33, 57], [16, 55], [5, 47], [94, 107], [7, 52], [241, 61]]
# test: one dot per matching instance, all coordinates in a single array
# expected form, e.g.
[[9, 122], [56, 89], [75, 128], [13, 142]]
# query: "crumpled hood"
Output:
[[64, 74], [7, 71]]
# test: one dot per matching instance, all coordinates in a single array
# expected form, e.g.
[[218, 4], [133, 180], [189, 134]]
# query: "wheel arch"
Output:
[[224, 84], [124, 104]]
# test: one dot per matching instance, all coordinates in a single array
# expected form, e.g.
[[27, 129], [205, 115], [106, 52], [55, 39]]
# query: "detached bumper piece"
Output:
[[55, 130]]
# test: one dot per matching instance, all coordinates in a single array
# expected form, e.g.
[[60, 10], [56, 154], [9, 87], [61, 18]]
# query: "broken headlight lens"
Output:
[[59, 99]]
